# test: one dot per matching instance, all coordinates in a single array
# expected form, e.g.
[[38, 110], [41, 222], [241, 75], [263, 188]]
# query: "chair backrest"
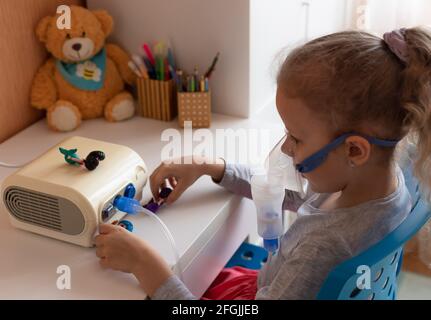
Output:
[[381, 262]]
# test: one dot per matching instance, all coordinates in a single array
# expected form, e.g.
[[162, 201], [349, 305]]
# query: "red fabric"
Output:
[[235, 283]]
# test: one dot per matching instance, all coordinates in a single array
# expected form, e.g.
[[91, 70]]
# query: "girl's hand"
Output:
[[122, 250], [119, 249], [183, 175]]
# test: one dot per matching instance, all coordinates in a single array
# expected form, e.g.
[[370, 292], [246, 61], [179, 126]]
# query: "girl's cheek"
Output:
[[302, 152]]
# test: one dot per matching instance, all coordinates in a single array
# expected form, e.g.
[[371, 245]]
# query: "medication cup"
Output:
[[268, 200]]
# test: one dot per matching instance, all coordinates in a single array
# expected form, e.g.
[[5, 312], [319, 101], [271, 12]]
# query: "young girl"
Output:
[[346, 100]]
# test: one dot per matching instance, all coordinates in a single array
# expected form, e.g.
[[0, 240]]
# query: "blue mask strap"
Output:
[[314, 161]]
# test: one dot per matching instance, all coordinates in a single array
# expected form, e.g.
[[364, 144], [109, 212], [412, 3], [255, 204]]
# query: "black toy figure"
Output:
[[93, 158], [91, 162]]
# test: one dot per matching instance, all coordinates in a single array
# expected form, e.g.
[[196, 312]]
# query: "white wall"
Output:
[[398, 14], [197, 29], [248, 33], [380, 16], [326, 16], [276, 26]]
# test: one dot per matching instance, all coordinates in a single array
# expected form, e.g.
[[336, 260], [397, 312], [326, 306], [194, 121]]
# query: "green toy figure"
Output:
[[71, 157]]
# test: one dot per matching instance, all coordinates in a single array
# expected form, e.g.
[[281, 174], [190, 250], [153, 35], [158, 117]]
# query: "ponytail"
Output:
[[416, 99]]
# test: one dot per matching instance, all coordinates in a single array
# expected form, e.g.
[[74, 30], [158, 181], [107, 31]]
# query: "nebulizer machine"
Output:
[[268, 187]]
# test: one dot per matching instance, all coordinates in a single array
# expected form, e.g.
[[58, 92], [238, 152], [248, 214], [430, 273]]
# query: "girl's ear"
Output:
[[358, 150]]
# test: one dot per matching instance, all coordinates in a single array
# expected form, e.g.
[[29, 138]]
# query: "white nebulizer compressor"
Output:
[[268, 189], [64, 200]]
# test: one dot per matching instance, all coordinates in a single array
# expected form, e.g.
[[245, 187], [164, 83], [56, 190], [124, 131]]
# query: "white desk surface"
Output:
[[201, 221]]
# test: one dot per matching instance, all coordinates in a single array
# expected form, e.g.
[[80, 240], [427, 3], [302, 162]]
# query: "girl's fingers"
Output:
[[104, 263], [100, 253], [173, 181], [176, 193], [156, 179], [99, 240], [106, 228]]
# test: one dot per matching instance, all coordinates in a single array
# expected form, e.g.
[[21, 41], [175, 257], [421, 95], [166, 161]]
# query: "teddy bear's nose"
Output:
[[76, 46]]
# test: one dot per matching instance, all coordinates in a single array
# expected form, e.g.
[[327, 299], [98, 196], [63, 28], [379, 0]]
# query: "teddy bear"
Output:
[[85, 77]]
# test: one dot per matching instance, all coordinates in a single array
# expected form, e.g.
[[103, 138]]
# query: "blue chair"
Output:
[[383, 259]]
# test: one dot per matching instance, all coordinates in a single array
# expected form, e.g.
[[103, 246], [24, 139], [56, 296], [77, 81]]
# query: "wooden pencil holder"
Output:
[[157, 99], [194, 107]]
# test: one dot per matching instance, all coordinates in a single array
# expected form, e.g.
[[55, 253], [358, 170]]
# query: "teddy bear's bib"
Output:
[[86, 75]]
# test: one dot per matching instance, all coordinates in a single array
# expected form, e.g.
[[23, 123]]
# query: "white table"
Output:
[[208, 223]]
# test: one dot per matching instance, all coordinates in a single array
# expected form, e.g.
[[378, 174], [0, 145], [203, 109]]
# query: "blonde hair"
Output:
[[355, 82]]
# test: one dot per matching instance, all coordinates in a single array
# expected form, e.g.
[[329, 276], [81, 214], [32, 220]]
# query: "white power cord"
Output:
[[12, 166]]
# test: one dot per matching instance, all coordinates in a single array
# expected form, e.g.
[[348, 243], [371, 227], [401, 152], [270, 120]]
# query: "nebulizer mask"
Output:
[[268, 188]]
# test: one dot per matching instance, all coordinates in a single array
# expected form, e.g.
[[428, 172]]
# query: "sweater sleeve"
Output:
[[173, 289], [237, 178]]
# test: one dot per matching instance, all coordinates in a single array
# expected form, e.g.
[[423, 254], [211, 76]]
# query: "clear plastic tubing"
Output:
[[132, 206]]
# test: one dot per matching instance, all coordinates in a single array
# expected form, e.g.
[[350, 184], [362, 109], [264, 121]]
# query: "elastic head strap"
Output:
[[314, 161]]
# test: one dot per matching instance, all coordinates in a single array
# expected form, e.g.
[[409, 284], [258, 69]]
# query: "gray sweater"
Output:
[[316, 242]]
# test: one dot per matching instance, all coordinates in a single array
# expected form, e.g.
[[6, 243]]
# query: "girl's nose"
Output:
[[287, 148]]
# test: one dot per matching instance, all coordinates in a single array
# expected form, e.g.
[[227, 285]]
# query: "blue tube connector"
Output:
[[128, 205], [271, 245]]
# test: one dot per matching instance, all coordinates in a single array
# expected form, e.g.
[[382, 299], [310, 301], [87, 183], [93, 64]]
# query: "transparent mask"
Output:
[[281, 167], [268, 192]]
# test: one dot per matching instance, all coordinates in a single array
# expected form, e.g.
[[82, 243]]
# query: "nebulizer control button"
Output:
[[130, 191], [126, 224]]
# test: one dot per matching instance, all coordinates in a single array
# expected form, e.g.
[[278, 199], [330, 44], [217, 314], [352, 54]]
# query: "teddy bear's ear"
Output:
[[105, 19], [42, 28]]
